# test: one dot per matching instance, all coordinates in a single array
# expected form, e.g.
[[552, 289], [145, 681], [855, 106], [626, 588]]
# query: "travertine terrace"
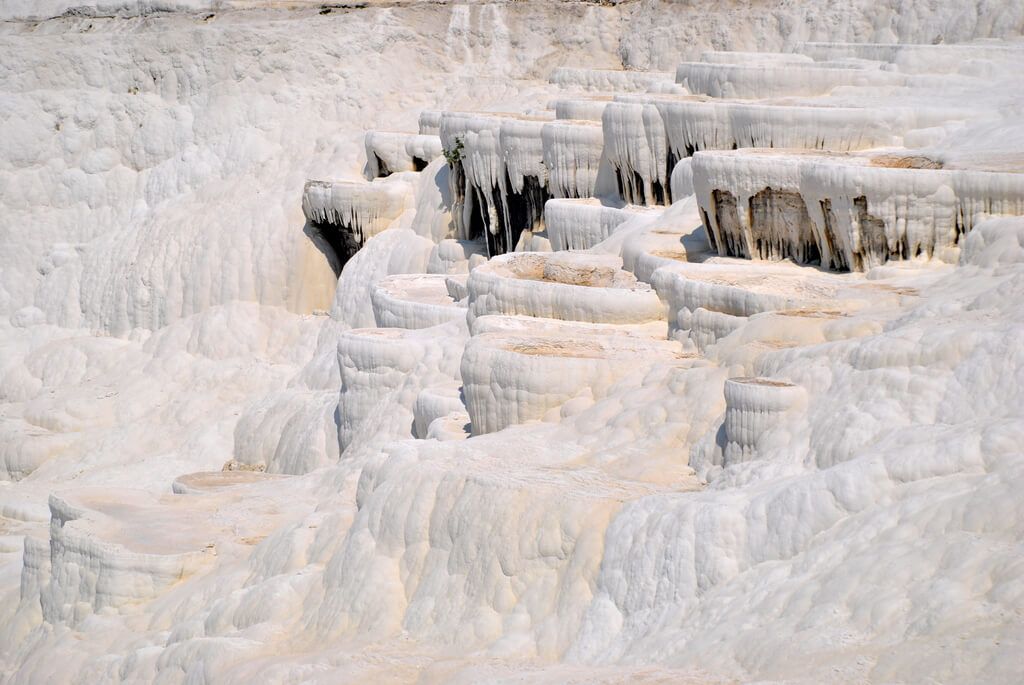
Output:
[[511, 342]]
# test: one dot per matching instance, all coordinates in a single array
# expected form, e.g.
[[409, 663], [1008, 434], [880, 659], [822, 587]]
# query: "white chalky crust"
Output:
[[511, 379], [580, 224], [414, 301], [751, 471], [752, 407], [561, 285], [572, 151], [607, 80], [774, 80], [364, 209]]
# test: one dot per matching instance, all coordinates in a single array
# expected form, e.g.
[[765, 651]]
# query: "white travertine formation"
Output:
[[456, 285], [430, 122], [110, 550], [753, 406], [385, 153], [531, 325], [382, 372], [654, 249], [755, 472], [705, 327], [740, 57], [435, 403], [290, 432], [25, 446], [582, 224], [846, 212], [480, 158], [869, 210], [533, 241], [414, 301], [735, 289], [647, 253], [681, 180], [692, 125], [498, 193], [915, 58], [779, 79], [512, 379], [454, 426], [752, 206], [423, 149], [827, 321], [35, 567], [456, 256], [573, 154], [432, 218], [373, 363], [561, 285], [607, 80], [350, 213], [522, 149], [636, 147], [389, 152], [209, 482], [364, 208], [581, 107]]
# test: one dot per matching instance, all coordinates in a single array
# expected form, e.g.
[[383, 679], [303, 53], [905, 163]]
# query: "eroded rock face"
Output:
[[499, 181], [845, 212], [755, 416]]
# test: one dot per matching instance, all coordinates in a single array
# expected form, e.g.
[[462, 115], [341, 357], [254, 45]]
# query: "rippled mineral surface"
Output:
[[550, 341]]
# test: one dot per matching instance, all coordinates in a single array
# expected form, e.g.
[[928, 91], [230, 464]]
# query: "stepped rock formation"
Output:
[[493, 342]]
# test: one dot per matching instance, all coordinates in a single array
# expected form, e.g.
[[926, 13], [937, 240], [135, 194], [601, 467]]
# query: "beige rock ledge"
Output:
[[204, 482]]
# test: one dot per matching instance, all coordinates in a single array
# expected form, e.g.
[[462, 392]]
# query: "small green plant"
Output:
[[454, 155]]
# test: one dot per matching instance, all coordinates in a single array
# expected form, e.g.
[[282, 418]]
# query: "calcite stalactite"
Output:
[[637, 149], [573, 155], [845, 212], [345, 215]]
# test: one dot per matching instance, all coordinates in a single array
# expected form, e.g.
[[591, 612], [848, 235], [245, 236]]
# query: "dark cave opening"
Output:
[[337, 243]]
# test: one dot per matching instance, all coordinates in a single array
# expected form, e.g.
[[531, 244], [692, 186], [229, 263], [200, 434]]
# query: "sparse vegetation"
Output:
[[454, 154]]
